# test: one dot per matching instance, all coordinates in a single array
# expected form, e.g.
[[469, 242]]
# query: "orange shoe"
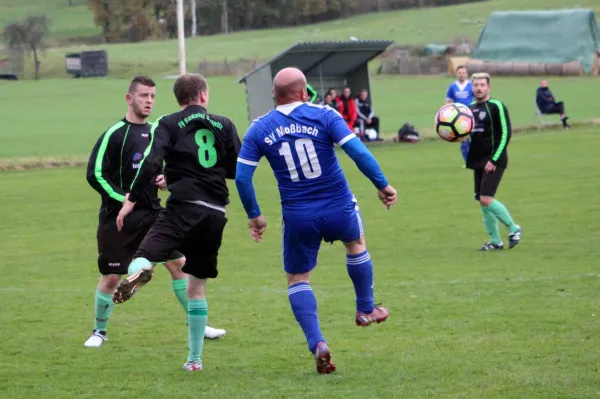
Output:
[[379, 315]]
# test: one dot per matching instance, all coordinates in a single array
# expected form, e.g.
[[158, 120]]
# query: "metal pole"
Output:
[[321, 80], [194, 23], [181, 37]]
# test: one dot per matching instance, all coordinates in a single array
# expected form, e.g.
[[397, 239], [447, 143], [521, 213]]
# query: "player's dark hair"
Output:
[[140, 80], [460, 67], [188, 87]]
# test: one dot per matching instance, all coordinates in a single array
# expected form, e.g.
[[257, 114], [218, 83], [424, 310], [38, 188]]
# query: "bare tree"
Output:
[[28, 36]]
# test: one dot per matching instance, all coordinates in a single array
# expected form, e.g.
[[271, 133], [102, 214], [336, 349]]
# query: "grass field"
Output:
[[463, 324], [65, 118], [404, 27]]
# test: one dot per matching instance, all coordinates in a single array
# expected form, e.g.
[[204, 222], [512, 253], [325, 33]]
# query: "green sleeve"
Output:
[[502, 121]]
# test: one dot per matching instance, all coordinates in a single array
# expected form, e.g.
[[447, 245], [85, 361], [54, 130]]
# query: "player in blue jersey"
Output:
[[461, 92], [298, 139]]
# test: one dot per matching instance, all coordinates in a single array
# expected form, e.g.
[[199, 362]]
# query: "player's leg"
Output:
[[490, 221], [179, 282], [197, 319], [112, 264], [158, 245], [201, 247], [464, 149], [347, 226], [300, 242], [103, 307], [489, 186], [178, 278]]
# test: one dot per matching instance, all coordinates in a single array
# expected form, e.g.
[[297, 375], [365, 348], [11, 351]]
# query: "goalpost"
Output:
[[181, 36]]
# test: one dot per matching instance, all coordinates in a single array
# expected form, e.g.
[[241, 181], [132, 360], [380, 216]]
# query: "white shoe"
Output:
[[213, 333], [196, 365], [95, 340]]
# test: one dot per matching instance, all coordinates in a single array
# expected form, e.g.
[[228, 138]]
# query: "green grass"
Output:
[[66, 22], [463, 324], [404, 27], [63, 118]]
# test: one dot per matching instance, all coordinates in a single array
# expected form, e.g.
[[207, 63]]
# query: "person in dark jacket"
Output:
[[366, 116], [547, 104]]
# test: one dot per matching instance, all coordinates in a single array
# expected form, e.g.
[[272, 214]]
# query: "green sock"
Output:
[[104, 307], [491, 225], [197, 318], [137, 264], [500, 211], [179, 290]]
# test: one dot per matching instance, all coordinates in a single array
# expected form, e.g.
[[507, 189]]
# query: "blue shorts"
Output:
[[301, 238]]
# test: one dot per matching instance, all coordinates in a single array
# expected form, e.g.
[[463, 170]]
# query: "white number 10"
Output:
[[307, 156]]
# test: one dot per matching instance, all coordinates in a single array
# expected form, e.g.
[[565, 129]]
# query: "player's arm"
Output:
[[246, 165], [152, 161], [247, 161], [501, 124], [356, 150], [233, 151], [103, 158]]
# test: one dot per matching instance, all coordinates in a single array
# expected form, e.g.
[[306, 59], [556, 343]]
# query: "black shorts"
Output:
[[486, 184], [192, 229], [117, 248]]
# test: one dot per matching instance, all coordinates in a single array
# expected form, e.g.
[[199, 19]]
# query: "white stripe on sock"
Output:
[[355, 261], [295, 290]]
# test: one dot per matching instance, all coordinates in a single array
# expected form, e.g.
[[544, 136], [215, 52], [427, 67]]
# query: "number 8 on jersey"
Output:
[[207, 154]]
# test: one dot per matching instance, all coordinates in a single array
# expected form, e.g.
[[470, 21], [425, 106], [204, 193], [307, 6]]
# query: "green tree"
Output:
[[28, 37], [129, 20]]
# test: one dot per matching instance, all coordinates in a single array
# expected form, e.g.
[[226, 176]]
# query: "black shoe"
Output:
[[488, 246], [514, 238]]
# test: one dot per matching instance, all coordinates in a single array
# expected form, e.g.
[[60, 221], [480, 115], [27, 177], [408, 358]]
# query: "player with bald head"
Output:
[[298, 139]]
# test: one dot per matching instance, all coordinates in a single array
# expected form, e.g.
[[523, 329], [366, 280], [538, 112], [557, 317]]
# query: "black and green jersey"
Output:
[[490, 135], [114, 162], [199, 151]]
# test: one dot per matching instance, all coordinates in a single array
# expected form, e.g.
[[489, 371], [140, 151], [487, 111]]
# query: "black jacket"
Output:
[[199, 150], [544, 99], [364, 109], [114, 163], [490, 136]]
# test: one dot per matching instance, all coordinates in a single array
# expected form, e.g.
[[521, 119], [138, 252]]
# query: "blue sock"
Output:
[[464, 149], [304, 306], [360, 269]]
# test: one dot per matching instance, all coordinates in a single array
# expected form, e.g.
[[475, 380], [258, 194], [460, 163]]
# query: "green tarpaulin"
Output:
[[544, 37]]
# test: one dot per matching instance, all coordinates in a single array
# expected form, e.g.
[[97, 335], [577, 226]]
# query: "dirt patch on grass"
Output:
[[39, 163]]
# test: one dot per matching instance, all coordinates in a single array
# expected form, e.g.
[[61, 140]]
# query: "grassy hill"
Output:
[[67, 21], [405, 27]]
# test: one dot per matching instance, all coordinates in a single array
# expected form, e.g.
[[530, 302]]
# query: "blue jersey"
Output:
[[460, 93], [299, 142]]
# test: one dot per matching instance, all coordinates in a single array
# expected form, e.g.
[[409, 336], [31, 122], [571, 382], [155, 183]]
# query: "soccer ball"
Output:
[[454, 122]]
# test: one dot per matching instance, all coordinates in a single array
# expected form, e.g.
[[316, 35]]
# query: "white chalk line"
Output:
[[270, 290]]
